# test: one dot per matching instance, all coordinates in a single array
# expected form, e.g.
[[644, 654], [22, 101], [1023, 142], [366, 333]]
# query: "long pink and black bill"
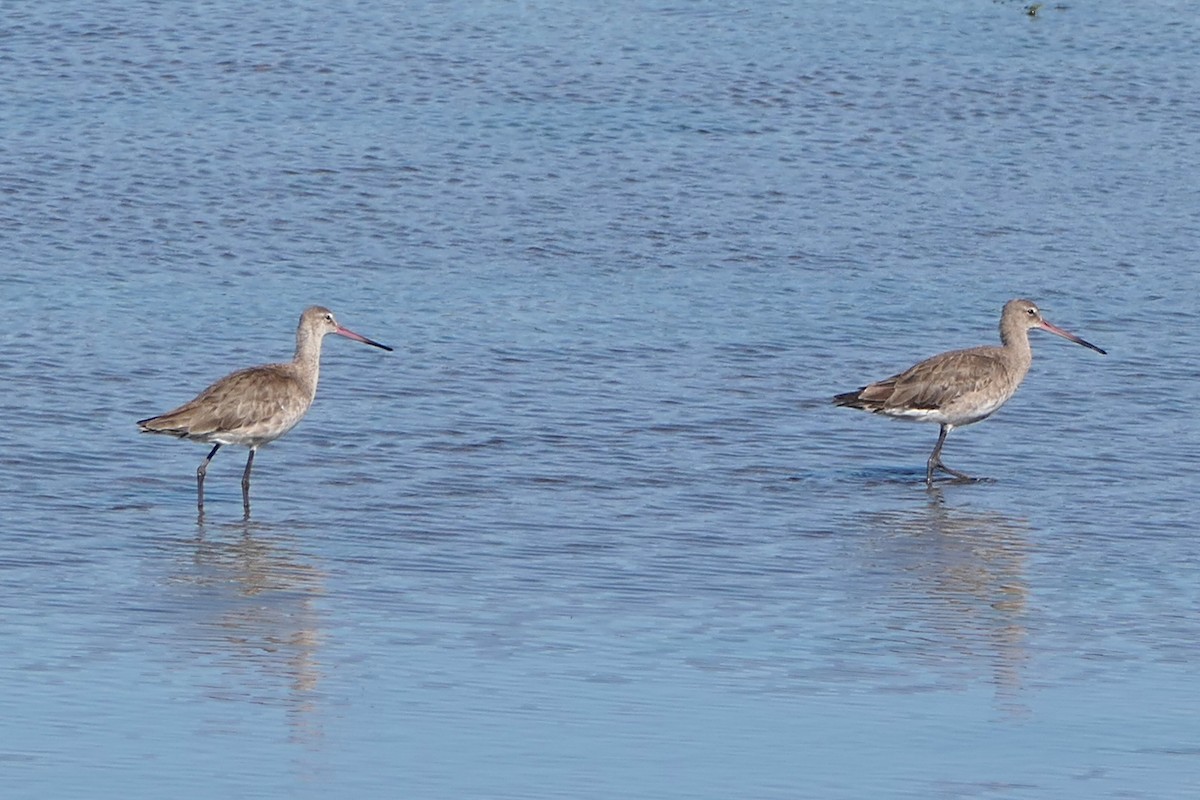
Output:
[[1055, 329], [349, 334]]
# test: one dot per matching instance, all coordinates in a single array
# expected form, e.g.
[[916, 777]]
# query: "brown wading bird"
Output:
[[254, 406], [962, 386]]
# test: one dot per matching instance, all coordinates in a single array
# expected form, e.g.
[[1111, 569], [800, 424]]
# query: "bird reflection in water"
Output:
[[957, 591], [250, 605]]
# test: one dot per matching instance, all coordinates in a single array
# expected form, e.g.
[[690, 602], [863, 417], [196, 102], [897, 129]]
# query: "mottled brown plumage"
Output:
[[962, 386], [254, 406]]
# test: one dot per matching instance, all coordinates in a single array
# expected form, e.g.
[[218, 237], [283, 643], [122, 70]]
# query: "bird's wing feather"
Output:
[[230, 403], [938, 381]]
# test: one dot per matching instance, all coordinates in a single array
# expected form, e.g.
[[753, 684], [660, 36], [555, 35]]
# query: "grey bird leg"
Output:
[[200, 470], [246, 484], [935, 461]]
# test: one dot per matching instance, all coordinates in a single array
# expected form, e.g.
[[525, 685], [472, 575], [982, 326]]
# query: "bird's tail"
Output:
[[165, 423], [868, 398], [851, 399]]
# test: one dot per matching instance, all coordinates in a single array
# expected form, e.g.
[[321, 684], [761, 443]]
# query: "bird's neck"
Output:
[[307, 360], [1015, 339]]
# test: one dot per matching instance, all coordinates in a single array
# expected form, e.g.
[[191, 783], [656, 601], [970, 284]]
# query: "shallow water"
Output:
[[594, 529]]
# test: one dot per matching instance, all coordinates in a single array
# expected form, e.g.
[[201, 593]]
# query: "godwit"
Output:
[[254, 406], [962, 386]]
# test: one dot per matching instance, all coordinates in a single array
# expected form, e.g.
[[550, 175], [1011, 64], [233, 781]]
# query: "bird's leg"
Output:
[[246, 484], [200, 470], [935, 460]]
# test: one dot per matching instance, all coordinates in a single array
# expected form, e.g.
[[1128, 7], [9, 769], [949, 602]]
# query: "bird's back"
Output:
[[249, 407], [958, 388]]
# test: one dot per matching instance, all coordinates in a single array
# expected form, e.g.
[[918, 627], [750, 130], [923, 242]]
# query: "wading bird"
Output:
[[962, 386], [254, 406]]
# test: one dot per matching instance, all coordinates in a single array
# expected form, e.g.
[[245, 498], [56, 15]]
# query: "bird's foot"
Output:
[[958, 477]]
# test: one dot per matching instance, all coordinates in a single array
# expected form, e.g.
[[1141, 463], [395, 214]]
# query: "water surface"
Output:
[[594, 530]]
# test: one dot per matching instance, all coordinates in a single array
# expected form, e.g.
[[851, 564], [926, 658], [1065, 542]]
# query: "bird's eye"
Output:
[[329, 317], [1031, 312]]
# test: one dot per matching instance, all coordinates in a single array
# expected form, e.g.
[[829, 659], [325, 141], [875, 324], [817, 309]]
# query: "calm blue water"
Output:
[[593, 530]]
